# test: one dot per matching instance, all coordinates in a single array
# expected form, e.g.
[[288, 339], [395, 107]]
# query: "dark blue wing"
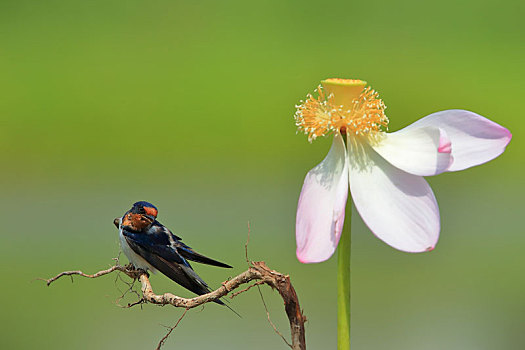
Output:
[[192, 255], [167, 260], [162, 234]]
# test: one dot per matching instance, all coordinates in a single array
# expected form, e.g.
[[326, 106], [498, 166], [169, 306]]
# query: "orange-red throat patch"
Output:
[[136, 222]]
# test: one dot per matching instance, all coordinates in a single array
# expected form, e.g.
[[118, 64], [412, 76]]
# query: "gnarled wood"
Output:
[[257, 271]]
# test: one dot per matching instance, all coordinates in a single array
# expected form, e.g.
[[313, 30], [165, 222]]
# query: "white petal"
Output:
[[419, 151], [398, 207], [321, 208], [475, 139]]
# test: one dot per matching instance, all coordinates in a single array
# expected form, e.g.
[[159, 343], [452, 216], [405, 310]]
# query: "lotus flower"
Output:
[[384, 171]]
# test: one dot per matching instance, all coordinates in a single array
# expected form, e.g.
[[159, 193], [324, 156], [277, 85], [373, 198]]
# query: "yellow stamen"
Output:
[[314, 115], [347, 107]]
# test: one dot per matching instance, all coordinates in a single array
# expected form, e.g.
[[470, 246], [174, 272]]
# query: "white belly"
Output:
[[133, 257]]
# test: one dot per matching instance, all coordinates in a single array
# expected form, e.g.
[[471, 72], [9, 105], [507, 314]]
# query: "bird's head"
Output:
[[140, 216]]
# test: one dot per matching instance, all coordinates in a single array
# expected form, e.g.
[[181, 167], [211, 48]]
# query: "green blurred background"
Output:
[[189, 105]]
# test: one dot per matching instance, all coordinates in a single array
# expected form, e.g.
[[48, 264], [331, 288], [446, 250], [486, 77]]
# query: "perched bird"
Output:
[[149, 245]]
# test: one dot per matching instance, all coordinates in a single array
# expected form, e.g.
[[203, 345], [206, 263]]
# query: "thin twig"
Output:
[[269, 320], [129, 290], [80, 273], [163, 340], [246, 245], [246, 289], [141, 301]]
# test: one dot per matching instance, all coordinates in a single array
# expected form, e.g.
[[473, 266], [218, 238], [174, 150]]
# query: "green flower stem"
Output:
[[343, 282]]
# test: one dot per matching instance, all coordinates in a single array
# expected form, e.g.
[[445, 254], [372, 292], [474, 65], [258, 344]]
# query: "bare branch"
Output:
[[257, 271], [128, 270], [80, 273]]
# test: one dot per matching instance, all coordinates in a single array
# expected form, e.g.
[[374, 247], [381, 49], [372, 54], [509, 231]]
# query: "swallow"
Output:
[[151, 246]]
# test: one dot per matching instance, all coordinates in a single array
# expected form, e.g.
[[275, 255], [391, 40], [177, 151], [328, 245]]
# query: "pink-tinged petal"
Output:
[[321, 208], [475, 139], [445, 145], [418, 151], [398, 207]]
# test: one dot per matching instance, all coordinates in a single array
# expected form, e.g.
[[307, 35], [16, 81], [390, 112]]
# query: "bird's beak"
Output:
[[116, 222]]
